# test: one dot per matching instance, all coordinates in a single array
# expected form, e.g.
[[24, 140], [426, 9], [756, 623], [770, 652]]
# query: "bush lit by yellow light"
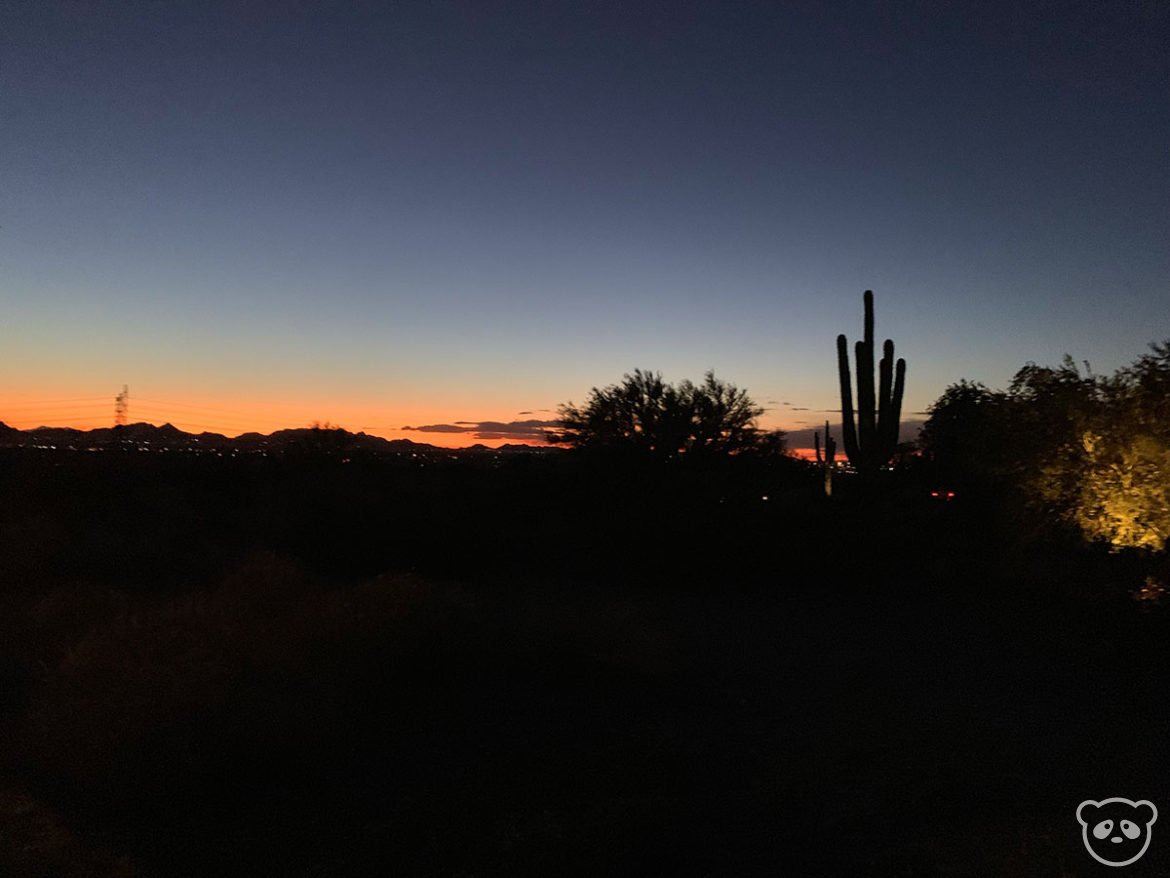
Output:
[[1125, 492]]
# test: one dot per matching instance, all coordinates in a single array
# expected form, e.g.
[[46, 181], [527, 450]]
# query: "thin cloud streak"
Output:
[[528, 430]]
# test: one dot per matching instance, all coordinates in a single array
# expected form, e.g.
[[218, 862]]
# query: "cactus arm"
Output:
[[886, 374], [847, 426], [817, 445], [896, 403], [865, 403], [868, 300], [866, 408]]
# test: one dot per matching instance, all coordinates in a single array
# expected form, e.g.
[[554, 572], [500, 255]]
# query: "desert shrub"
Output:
[[262, 666]]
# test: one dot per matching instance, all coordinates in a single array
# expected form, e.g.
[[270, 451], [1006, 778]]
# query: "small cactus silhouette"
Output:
[[826, 462]]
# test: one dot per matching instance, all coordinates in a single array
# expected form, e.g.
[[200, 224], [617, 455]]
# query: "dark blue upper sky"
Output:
[[467, 209]]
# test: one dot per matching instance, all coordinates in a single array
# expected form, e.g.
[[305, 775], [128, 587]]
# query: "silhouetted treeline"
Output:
[[1064, 448]]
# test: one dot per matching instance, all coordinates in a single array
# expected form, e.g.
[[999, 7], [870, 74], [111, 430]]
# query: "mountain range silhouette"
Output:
[[167, 436]]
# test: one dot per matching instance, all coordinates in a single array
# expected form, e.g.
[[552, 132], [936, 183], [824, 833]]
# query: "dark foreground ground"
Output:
[[723, 687]]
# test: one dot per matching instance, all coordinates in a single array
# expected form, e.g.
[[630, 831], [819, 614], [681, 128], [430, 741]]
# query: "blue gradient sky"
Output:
[[390, 214]]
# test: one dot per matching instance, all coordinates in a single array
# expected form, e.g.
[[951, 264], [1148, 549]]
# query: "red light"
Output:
[[934, 493]]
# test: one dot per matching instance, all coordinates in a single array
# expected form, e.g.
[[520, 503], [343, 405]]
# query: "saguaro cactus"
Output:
[[870, 443], [826, 462]]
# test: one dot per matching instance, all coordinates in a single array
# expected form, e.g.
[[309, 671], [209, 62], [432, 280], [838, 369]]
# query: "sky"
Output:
[[455, 216]]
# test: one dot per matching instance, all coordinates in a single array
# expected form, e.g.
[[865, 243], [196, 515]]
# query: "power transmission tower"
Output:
[[122, 406]]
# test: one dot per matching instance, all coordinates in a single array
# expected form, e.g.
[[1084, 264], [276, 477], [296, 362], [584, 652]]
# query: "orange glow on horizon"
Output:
[[440, 440], [239, 416], [234, 415]]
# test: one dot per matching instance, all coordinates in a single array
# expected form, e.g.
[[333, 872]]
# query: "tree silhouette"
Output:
[[646, 415], [965, 435]]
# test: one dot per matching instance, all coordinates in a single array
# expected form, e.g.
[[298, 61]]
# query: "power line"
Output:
[[200, 408], [94, 399], [55, 406], [227, 416], [156, 409], [58, 413], [207, 410]]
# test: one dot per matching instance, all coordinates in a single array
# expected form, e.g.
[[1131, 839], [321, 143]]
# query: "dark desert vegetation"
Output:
[[644, 416], [663, 645], [341, 536], [1070, 446]]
